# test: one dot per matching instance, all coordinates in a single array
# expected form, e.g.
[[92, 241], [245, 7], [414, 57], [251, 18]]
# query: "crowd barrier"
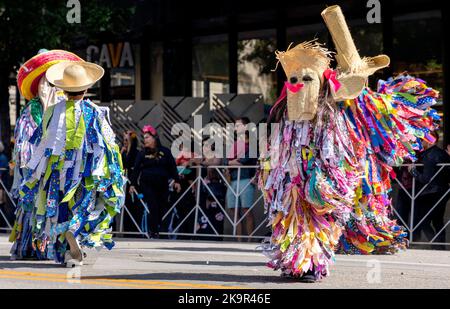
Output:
[[190, 211]]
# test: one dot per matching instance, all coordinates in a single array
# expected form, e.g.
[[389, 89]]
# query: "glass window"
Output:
[[419, 52], [368, 40], [122, 83], [12, 90], [122, 77], [156, 71], [300, 34], [122, 73], [210, 74], [256, 61]]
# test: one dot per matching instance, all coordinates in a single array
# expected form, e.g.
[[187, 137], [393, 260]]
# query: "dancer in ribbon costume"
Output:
[[74, 179], [325, 174], [35, 88]]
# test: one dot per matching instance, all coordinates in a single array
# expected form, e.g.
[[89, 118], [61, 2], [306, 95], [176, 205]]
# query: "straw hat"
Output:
[[307, 54], [31, 72], [354, 71], [306, 59], [347, 55], [74, 76]]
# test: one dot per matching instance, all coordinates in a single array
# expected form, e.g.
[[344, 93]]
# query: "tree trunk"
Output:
[[5, 122]]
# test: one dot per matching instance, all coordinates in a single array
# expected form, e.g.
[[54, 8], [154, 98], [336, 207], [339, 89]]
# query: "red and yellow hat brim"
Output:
[[31, 72]]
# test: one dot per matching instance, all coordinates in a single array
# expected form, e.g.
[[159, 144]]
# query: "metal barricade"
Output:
[[233, 218], [7, 226], [413, 223]]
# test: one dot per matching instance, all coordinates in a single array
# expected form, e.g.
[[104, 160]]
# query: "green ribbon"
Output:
[[36, 110], [69, 195], [70, 124], [41, 202], [46, 119], [74, 133]]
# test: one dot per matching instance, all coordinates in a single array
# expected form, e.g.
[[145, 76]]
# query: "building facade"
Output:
[[199, 48]]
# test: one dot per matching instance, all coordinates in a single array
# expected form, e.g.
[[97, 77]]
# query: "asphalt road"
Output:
[[161, 264]]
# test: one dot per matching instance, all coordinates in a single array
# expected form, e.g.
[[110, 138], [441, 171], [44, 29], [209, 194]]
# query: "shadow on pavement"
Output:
[[200, 249], [204, 277], [211, 263], [5, 262]]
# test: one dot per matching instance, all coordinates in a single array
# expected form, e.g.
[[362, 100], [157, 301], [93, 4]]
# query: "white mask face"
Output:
[[302, 105], [304, 66], [46, 93]]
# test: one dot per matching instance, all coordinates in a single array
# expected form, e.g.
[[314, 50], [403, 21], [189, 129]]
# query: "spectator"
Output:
[[185, 157], [433, 191], [153, 169], [129, 153], [185, 199], [241, 157], [12, 164], [403, 202], [213, 218], [5, 208], [4, 165]]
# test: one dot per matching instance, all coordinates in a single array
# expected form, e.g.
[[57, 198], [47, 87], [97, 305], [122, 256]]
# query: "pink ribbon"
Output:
[[280, 99], [330, 75], [282, 95], [293, 87]]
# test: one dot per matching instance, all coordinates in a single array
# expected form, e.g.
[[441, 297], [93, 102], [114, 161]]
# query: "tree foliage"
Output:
[[27, 26]]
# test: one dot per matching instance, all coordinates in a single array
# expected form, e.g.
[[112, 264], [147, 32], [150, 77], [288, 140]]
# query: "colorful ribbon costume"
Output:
[[326, 174], [326, 181], [68, 177], [74, 180]]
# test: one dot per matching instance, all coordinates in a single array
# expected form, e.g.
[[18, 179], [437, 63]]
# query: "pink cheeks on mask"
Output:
[[293, 86]]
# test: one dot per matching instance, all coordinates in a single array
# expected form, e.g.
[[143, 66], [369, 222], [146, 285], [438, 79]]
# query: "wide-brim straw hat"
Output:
[[74, 76], [347, 56], [31, 72]]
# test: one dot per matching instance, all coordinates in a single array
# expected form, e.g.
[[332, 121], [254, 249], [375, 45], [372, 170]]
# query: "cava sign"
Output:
[[111, 55]]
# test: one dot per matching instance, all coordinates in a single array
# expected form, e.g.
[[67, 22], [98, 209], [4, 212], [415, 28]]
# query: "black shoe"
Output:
[[287, 276], [308, 277]]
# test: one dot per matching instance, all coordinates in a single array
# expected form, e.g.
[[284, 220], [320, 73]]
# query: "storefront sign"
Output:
[[111, 55]]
